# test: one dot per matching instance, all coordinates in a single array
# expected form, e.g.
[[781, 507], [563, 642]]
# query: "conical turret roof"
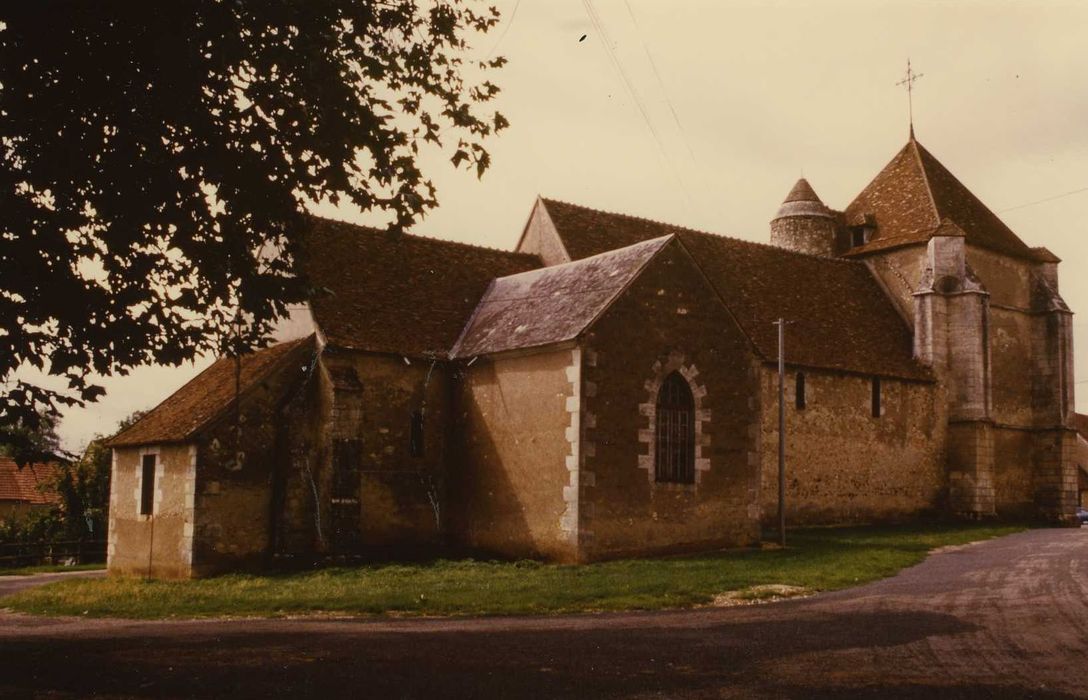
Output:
[[802, 201]]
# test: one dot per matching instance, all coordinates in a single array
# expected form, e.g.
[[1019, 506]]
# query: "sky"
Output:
[[704, 113]]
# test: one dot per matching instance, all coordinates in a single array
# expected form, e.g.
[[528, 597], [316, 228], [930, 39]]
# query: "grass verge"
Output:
[[816, 560]]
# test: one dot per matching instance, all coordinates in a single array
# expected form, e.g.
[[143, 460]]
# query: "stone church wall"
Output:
[[844, 465], [518, 423], [238, 464], [669, 320], [399, 499], [159, 544]]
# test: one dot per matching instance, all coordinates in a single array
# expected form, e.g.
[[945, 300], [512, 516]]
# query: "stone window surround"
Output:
[[156, 503], [675, 362]]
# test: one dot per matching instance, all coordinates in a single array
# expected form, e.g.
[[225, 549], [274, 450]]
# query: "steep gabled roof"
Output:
[[406, 294], [29, 485], [552, 304], [842, 318], [911, 197], [585, 232], [208, 396]]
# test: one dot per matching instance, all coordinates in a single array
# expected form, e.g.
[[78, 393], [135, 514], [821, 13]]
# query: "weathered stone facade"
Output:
[[843, 464], [611, 390]]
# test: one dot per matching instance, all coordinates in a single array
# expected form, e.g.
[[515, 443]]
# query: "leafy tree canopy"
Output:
[[156, 159]]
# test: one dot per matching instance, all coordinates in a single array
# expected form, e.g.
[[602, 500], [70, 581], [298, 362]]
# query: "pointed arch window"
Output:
[[674, 457]]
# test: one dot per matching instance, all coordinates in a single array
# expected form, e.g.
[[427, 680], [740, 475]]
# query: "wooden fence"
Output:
[[16, 554]]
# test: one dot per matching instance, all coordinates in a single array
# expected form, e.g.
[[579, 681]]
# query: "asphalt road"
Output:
[[1001, 619]]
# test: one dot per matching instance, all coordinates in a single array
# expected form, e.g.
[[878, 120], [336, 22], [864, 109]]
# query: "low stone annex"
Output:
[[609, 389]]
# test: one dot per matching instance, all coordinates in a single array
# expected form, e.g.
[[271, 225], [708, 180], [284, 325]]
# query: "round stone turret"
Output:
[[803, 223]]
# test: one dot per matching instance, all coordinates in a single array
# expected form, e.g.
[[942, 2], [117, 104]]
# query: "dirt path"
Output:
[[1006, 618], [14, 584]]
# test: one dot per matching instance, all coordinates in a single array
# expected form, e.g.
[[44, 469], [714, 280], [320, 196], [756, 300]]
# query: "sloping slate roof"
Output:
[[209, 395], [552, 304], [22, 485], [914, 193], [843, 320], [406, 295]]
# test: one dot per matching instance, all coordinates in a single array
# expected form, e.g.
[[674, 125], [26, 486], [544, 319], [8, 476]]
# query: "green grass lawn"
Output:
[[816, 560]]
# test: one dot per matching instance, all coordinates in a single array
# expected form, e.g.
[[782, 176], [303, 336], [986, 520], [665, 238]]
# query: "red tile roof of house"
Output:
[[552, 304], [208, 396], [406, 294], [842, 319], [31, 485], [911, 198]]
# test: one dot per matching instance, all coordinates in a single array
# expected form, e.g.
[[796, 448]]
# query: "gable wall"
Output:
[[540, 238], [160, 544], [669, 319], [842, 464]]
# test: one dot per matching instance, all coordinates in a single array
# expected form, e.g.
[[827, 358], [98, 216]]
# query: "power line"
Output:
[[660, 82], [1045, 199], [598, 24], [509, 23]]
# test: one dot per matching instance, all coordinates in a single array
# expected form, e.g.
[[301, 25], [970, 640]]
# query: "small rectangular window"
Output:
[[799, 386], [876, 397], [415, 434], [858, 237], [147, 485]]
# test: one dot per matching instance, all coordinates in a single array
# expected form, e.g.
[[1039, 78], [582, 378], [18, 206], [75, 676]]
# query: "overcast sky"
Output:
[[704, 114]]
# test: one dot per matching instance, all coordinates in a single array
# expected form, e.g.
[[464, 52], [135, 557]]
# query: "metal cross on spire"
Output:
[[909, 82]]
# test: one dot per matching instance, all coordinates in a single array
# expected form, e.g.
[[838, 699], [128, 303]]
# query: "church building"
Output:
[[610, 389]]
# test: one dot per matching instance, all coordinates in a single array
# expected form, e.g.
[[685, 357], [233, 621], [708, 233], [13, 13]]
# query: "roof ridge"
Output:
[[297, 341], [687, 229], [444, 241], [925, 175]]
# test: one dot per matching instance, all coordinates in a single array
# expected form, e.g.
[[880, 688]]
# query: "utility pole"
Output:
[[781, 323]]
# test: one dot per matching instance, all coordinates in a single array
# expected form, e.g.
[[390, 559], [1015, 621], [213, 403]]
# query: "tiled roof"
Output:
[[914, 194], [210, 394], [25, 485], [551, 304], [802, 200], [842, 318], [407, 294]]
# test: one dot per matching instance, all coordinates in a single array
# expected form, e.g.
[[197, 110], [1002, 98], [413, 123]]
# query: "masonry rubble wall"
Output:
[[668, 320], [843, 464]]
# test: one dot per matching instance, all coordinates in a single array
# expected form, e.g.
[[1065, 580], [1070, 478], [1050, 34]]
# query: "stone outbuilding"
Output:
[[609, 389]]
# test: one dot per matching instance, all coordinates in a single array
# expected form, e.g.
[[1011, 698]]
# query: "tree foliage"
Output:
[[156, 160]]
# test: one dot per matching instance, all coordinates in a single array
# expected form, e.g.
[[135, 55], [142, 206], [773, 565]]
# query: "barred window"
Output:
[[147, 485], [415, 434], [674, 459]]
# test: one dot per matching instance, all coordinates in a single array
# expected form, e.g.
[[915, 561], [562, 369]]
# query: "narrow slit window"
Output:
[[147, 485], [674, 460], [415, 434], [876, 397], [799, 387]]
